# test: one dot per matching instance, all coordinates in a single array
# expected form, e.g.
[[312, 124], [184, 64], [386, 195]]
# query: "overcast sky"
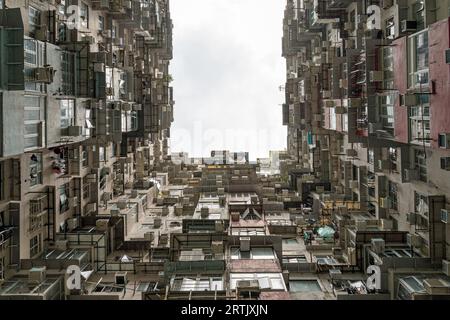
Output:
[[227, 69]]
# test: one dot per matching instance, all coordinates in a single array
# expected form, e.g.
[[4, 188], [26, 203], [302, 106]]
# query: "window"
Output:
[[254, 253], [390, 28], [34, 19], [290, 241], [134, 121], [62, 7], [273, 281], [101, 23], [88, 123], [420, 163], [35, 245], [86, 189], [64, 198], [113, 149], [304, 286], [418, 59], [34, 56], [33, 114], [101, 154], [296, 259], [393, 158], [196, 283], [102, 178], [84, 15], [114, 32], [419, 13], [35, 166], [67, 112], [68, 73], [421, 204], [1, 4], [419, 122], [392, 192], [84, 157], [387, 101]]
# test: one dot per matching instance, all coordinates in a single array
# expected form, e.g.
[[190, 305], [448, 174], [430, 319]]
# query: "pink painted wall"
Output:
[[439, 41]]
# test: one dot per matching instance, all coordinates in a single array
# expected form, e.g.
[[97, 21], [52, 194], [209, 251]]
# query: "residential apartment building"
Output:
[[85, 112], [366, 110]]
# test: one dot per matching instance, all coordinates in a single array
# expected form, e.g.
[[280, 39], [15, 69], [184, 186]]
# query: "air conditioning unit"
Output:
[[73, 202], [376, 76], [343, 83], [353, 184], [137, 106], [121, 278], [411, 217], [444, 140], [43, 74], [446, 267], [106, 33], [99, 67], [351, 152], [101, 224], [386, 224], [247, 285], [328, 103], [349, 26], [350, 43], [340, 110], [217, 247], [74, 131], [409, 100], [326, 94], [146, 14], [63, 245], [384, 203], [378, 245], [204, 212], [107, 196], [90, 207], [126, 106], [41, 34], [114, 212], [317, 117], [127, 4], [89, 39], [244, 244], [444, 216], [361, 224], [413, 240], [219, 226], [384, 164], [351, 255], [37, 274], [354, 102], [411, 175], [91, 178], [408, 26]]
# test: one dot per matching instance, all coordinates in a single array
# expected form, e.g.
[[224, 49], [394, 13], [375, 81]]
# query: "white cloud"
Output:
[[227, 67]]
